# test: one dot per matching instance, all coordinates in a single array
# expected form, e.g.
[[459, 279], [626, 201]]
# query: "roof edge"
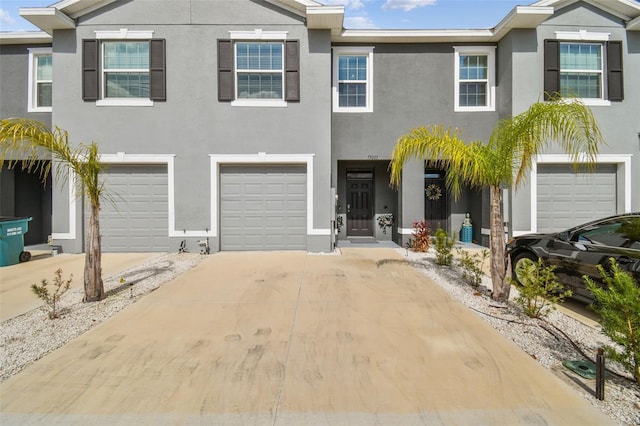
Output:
[[25, 37]]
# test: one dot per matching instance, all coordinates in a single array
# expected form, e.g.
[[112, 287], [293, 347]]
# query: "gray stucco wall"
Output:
[[413, 85], [192, 124], [14, 83], [619, 122]]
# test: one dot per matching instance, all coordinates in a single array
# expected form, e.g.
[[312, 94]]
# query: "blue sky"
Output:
[[384, 14]]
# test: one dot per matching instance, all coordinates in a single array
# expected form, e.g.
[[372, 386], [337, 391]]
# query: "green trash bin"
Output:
[[12, 230]]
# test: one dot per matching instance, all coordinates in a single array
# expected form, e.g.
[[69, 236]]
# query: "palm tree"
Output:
[[505, 160], [28, 142]]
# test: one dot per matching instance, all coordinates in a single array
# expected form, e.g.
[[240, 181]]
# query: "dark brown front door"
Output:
[[360, 204], [435, 199]]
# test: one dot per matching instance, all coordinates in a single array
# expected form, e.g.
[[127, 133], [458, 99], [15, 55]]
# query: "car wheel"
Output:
[[519, 261]]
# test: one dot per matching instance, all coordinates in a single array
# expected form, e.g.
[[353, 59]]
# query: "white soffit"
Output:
[[325, 17], [47, 18], [25, 37]]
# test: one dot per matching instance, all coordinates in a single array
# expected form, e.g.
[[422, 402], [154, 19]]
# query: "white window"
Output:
[[124, 68], [474, 88], [259, 70], [40, 80], [581, 70], [353, 79]]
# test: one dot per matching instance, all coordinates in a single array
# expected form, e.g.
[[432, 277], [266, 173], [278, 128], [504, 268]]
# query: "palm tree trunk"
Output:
[[93, 285], [497, 244]]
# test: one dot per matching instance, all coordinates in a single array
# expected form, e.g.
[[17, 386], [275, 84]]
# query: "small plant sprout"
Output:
[[444, 245], [472, 265], [540, 290], [51, 299]]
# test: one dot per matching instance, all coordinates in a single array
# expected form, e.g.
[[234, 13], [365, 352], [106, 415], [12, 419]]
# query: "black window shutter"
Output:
[[225, 71], [292, 71], [615, 82], [157, 73], [90, 69], [551, 68]]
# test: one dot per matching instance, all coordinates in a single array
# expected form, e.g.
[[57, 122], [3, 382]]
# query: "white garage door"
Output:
[[137, 218], [263, 207], [567, 199]]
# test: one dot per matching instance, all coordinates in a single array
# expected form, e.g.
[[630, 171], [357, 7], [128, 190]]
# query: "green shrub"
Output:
[[421, 240], [540, 290], [472, 265], [618, 304], [52, 299], [443, 245]]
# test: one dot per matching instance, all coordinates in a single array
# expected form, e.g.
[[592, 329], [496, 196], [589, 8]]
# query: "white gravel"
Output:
[[28, 337], [550, 348]]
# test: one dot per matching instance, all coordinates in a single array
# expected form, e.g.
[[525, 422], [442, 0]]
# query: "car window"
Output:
[[623, 232]]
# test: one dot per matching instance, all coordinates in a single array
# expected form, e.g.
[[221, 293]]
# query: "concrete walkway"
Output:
[[288, 338]]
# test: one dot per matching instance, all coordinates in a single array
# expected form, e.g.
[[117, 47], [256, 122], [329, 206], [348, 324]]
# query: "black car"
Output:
[[578, 251]]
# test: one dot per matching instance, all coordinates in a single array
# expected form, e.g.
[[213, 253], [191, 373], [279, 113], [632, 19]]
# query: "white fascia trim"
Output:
[[168, 159], [582, 35], [258, 34], [623, 162], [71, 235], [124, 34], [353, 50], [490, 51], [262, 158], [31, 92]]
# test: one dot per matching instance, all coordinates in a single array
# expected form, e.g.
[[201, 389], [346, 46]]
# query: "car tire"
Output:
[[522, 257]]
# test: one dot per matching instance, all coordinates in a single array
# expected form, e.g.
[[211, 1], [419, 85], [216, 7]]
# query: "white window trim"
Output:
[[622, 161], [262, 158], [258, 35], [582, 35], [587, 36], [32, 91], [490, 51], [122, 34], [353, 50]]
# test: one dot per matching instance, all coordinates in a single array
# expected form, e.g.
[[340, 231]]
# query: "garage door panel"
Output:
[[263, 207], [566, 199], [137, 219]]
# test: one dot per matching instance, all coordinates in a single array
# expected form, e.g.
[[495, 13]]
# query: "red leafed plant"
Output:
[[421, 234]]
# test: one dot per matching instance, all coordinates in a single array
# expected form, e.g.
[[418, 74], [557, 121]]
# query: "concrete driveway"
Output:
[[287, 338]]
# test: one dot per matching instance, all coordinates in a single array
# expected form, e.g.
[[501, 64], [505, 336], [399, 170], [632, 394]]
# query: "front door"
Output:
[[435, 199], [360, 203]]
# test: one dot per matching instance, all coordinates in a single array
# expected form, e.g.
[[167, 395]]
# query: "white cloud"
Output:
[[407, 5], [6, 18], [359, 23], [349, 4]]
